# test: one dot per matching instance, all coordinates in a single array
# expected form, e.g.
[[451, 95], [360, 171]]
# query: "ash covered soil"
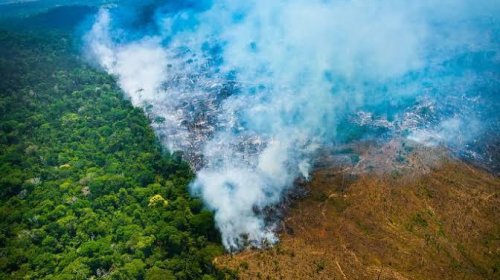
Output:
[[427, 217]]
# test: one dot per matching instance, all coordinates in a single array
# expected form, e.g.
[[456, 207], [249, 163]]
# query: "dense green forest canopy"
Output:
[[86, 190], [14, 10]]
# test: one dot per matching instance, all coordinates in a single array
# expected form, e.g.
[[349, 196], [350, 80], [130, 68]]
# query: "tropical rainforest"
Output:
[[86, 190], [223, 139]]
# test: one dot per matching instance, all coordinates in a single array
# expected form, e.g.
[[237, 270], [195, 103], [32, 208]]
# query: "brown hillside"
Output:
[[444, 224]]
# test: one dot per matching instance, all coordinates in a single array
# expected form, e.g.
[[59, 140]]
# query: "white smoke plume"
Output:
[[249, 90]]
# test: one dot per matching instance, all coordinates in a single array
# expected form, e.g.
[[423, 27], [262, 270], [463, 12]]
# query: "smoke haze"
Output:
[[250, 91]]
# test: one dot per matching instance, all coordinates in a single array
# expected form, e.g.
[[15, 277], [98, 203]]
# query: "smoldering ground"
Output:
[[250, 91]]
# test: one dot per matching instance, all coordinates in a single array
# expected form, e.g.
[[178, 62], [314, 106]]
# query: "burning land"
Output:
[[222, 139], [433, 217]]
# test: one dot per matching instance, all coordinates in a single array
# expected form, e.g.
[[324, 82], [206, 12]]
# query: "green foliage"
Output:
[[85, 188]]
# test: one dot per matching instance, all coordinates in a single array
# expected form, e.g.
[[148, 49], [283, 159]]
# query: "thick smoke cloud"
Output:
[[250, 90]]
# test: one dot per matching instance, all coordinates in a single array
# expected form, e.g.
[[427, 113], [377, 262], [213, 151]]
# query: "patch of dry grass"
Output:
[[442, 224]]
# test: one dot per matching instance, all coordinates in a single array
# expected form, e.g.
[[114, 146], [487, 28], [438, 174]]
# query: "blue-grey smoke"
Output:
[[251, 90]]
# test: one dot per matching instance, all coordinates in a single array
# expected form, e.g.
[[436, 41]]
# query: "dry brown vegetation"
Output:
[[443, 224]]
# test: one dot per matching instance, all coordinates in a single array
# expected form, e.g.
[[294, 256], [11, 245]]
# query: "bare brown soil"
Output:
[[440, 224]]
